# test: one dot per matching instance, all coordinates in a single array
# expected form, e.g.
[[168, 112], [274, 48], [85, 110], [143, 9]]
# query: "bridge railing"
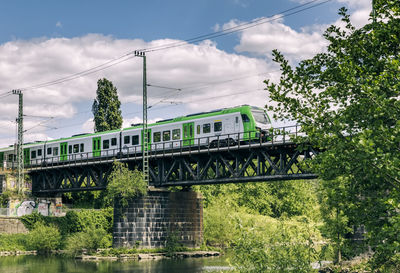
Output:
[[211, 143]]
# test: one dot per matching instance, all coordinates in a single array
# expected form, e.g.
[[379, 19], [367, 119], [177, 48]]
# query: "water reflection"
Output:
[[34, 264]]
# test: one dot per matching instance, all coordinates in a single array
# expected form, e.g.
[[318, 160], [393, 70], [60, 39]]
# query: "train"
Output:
[[217, 128]]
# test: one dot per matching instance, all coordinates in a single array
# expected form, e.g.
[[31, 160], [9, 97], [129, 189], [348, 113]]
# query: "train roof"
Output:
[[242, 109]]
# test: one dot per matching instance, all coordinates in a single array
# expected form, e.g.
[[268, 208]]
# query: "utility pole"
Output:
[[20, 148], [145, 152]]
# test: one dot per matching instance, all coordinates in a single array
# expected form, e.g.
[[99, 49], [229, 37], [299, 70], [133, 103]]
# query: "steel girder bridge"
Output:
[[277, 159]]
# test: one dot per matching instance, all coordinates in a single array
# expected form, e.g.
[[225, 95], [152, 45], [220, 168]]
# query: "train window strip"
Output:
[[206, 128], [245, 118], [176, 134], [157, 136], [135, 140], [167, 135], [106, 144], [114, 141], [39, 152], [76, 148], [218, 126], [127, 139], [49, 151]]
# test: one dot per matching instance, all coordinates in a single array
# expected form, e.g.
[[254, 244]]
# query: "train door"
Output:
[[96, 146], [63, 151], [27, 156], [148, 137], [188, 134]]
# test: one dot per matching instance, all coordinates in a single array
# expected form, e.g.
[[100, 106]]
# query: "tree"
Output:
[[124, 184], [106, 107], [347, 102]]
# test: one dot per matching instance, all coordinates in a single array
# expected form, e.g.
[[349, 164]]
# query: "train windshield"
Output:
[[260, 116]]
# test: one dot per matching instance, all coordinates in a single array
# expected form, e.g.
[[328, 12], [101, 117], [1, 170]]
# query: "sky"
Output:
[[45, 41]]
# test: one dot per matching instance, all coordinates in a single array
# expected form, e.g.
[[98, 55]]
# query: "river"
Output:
[[58, 264]]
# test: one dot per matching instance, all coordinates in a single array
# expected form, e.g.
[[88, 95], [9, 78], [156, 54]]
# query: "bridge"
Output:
[[279, 158]]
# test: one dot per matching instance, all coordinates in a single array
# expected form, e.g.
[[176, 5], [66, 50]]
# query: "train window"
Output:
[[218, 126], [33, 154], [70, 149], [127, 139], [245, 118], [39, 152], [135, 140], [82, 147], [10, 157], [237, 119], [113, 141], [166, 135], [49, 151], [55, 151], [176, 134], [106, 144], [76, 148], [198, 129], [157, 136], [206, 128]]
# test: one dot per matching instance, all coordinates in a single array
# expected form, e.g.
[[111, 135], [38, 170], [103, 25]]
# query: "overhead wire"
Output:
[[129, 55], [238, 28]]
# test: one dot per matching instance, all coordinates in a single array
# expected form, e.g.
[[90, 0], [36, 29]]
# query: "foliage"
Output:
[[286, 198], [172, 244], [346, 101], [87, 199], [13, 242], [90, 239], [219, 223], [287, 248], [221, 227], [73, 221], [44, 238], [124, 184], [106, 107]]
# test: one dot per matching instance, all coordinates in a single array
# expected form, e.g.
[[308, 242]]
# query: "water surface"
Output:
[[57, 264]]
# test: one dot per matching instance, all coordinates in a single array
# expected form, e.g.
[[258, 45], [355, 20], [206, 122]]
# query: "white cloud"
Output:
[[262, 39], [295, 45]]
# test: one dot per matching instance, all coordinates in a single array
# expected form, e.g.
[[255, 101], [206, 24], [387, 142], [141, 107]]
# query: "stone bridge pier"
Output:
[[148, 222]]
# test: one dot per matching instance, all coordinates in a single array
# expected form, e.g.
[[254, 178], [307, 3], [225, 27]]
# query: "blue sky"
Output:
[[45, 40], [148, 20]]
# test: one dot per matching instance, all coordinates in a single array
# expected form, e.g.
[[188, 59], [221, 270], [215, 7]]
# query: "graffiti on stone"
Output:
[[26, 207], [43, 209]]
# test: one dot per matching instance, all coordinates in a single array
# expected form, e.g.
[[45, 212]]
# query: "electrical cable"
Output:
[[127, 56]]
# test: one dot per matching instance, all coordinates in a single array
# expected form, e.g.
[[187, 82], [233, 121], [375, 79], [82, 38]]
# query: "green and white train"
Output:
[[216, 128]]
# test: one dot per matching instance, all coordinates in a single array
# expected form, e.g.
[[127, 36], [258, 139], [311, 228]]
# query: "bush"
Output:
[[289, 247], [44, 238], [13, 242], [91, 240], [124, 184], [73, 221]]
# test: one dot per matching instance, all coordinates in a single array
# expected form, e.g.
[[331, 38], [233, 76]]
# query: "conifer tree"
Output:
[[106, 107]]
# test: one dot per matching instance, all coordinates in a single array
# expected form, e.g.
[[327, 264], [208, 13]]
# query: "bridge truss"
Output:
[[253, 163], [277, 159]]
